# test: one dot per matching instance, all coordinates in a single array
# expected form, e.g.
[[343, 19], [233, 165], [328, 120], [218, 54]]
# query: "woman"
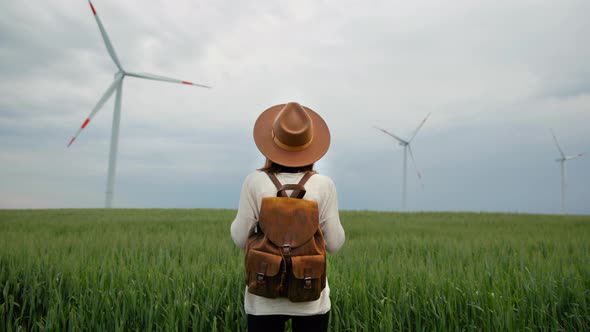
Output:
[[292, 138]]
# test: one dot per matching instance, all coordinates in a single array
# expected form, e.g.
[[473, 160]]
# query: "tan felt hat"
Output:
[[291, 135]]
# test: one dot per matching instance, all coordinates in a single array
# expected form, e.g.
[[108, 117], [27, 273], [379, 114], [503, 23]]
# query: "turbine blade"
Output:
[[105, 38], [576, 156], [96, 108], [165, 79], [418, 128], [392, 135], [416, 166], [556, 143]]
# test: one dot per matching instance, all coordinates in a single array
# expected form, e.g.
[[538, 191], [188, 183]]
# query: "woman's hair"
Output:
[[271, 166]]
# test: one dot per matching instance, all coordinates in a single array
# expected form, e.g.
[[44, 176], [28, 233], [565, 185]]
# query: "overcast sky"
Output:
[[497, 77]]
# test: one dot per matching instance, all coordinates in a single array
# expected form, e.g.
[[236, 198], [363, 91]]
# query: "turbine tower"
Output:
[[561, 162], [117, 85], [407, 147]]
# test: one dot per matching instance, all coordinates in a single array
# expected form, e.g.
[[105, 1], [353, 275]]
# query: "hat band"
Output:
[[290, 147]]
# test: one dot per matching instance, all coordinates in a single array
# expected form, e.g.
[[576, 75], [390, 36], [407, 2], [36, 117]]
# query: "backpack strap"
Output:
[[306, 177], [298, 189], [274, 180], [300, 192]]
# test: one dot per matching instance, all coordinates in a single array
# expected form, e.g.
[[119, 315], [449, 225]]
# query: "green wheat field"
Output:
[[149, 270]]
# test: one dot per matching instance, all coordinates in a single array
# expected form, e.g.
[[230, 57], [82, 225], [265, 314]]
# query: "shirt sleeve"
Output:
[[246, 216], [330, 221]]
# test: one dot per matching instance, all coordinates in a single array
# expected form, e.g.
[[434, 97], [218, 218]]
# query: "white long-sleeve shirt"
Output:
[[319, 188]]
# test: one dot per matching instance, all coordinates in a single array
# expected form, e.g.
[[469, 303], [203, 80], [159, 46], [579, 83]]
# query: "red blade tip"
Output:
[[92, 7], [71, 141], [185, 82], [85, 123]]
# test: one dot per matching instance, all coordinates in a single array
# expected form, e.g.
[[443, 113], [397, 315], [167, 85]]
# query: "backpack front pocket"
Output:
[[263, 273], [308, 277]]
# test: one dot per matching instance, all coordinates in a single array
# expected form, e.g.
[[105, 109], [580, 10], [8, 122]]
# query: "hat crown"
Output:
[[293, 127], [291, 135]]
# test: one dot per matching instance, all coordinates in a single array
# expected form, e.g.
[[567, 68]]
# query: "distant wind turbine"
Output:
[[561, 162], [118, 86], [407, 147]]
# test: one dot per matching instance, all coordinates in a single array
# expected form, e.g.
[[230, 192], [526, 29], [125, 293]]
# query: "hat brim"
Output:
[[265, 143]]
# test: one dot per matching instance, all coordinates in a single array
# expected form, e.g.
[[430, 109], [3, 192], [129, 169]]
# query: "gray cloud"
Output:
[[496, 77]]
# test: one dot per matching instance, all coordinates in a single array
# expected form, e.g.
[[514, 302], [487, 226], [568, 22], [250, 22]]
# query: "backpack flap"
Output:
[[312, 266], [263, 275], [307, 281], [288, 221]]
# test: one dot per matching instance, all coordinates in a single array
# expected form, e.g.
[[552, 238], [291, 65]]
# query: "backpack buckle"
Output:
[[286, 249], [260, 278], [307, 283]]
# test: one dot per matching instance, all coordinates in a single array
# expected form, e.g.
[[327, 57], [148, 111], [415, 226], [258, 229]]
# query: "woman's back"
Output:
[[292, 138]]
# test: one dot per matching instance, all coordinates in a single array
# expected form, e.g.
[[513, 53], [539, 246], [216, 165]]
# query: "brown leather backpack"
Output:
[[286, 252]]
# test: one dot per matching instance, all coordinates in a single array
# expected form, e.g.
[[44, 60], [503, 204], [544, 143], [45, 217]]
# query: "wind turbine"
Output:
[[561, 162], [117, 85], [407, 147]]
